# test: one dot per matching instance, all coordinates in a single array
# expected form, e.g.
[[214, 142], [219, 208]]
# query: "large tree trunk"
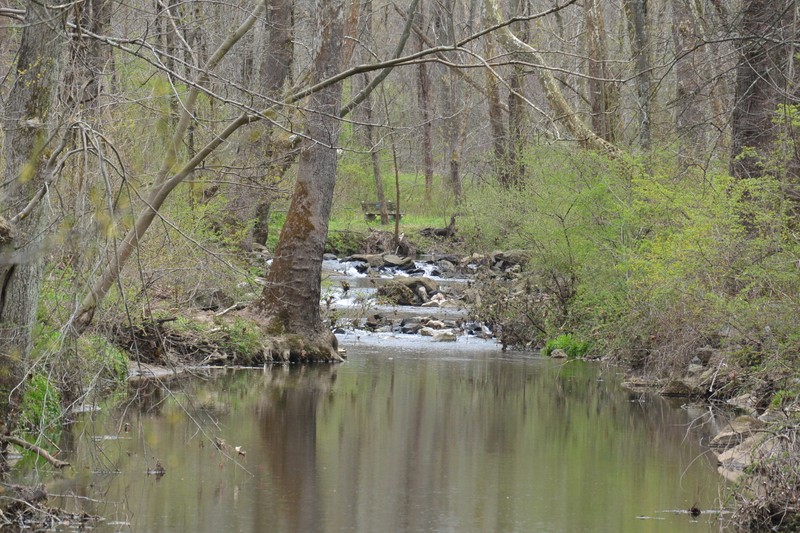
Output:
[[27, 133], [291, 296], [763, 77]]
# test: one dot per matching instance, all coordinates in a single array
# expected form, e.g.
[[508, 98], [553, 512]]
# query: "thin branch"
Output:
[[365, 92], [41, 452]]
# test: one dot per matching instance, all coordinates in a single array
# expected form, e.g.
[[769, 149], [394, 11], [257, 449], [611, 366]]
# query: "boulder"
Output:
[[682, 388], [736, 432], [435, 324], [395, 261], [427, 332], [733, 461], [445, 267], [422, 293], [373, 322], [746, 402], [329, 257], [410, 325], [413, 282], [432, 303], [445, 336], [512, 257], [705, 354], [397, 293], [373, 260], [558, 354]]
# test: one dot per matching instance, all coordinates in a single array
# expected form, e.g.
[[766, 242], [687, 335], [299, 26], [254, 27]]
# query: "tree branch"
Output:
[[41, 452]]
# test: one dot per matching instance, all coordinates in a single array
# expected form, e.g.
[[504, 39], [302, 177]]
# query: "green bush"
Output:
[[41, 403], [573, 348]]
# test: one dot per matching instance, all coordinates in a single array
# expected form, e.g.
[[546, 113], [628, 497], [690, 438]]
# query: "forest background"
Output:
[[642, 154]]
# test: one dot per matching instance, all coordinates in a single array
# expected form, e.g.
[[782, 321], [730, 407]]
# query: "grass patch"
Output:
[[41, 404], [571, 346]]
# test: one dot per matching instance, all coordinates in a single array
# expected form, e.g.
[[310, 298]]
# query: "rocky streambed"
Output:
[[391, 294]]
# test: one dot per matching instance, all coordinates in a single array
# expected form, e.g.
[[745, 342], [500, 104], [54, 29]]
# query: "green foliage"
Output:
[[344, 242], [241, 337], [103, 360], [573, 348], [785, 397], [41, 403], [648, 266], [571, 215]]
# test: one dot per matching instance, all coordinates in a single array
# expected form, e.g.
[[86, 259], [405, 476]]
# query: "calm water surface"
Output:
[[394, 440]]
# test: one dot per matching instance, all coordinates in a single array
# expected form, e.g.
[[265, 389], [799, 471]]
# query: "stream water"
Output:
[[403, 437]]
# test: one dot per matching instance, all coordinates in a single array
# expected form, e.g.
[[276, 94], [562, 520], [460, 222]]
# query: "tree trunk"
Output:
[[424, 99], [375, 157], [601, 92], [763, 76], [691, 113], [290, 299], [27, 133], [90, 61], [275, 72], [496, 122], [517, 108], [450, 95], [585, 136], [636, 11]]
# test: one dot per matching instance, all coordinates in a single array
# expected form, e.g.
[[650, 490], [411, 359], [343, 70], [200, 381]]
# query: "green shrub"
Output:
[[103, 360], [573, 348], [41, 403], [242, 338]]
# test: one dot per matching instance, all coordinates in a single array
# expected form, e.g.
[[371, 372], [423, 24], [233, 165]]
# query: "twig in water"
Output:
[[41, 452]]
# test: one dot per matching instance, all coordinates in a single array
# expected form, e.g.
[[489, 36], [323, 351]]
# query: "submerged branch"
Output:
[[41, 452]]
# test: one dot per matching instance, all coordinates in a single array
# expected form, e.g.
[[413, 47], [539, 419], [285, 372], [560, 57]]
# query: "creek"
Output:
[[405, 436], [408, 435]]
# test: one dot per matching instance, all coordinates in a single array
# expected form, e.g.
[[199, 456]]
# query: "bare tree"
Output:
[[602, 92], [87, 74], [561, 107]]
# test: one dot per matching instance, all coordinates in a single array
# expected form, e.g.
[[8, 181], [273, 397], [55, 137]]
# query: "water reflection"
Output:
[[407, 442]]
